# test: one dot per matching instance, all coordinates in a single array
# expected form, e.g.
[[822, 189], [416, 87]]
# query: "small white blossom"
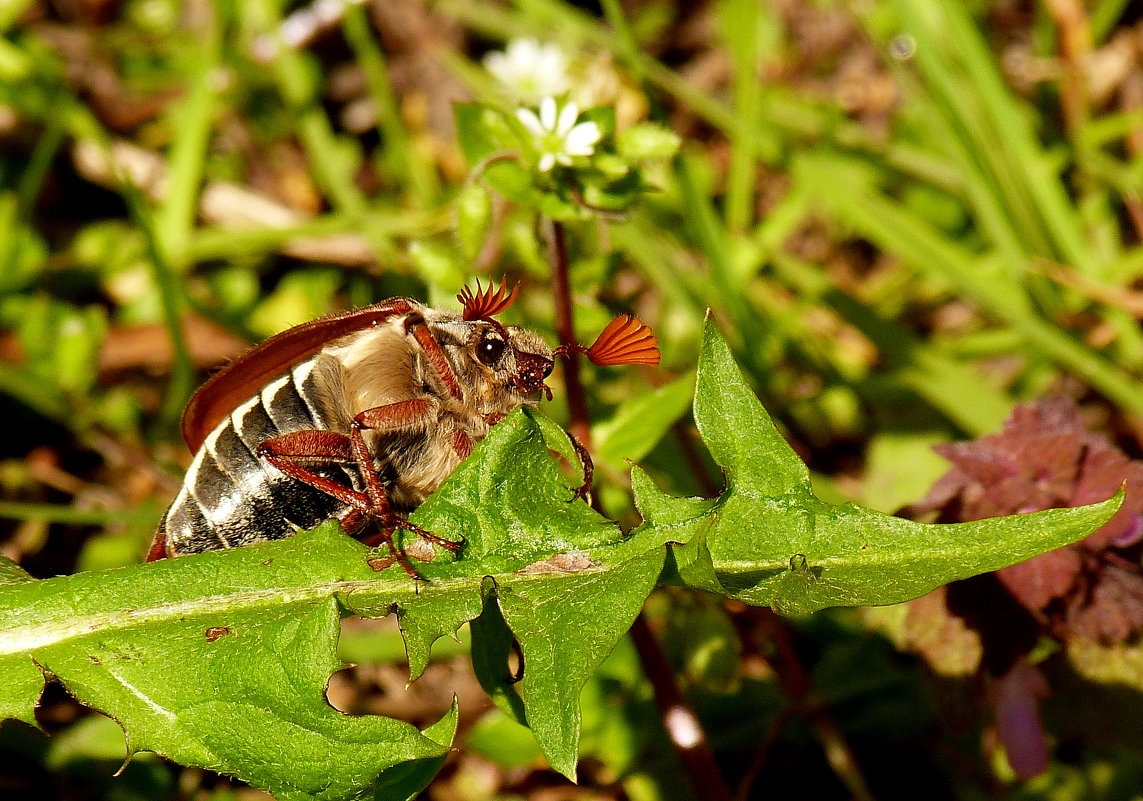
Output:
[[556, 134], [530, 70]]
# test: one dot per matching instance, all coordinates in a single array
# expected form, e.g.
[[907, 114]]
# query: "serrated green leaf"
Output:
[[566, 628], [512, 505], [10, 572], [220, 659], [21, 683], [769, 541], [407, 780], [492, 647], [221, 667], [554, 574], [451, 609]]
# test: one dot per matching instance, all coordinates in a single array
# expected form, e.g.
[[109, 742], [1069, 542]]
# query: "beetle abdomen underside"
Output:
[[231, 496]]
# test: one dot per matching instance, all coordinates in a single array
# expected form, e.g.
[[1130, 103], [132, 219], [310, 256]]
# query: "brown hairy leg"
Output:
[[298, 452]]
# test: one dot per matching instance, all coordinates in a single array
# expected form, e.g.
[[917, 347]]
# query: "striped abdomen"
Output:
[[230, 496]]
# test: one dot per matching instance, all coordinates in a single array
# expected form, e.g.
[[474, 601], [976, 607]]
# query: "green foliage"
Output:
[[500, 149], [768, 541], [901, 231], [219, 660]]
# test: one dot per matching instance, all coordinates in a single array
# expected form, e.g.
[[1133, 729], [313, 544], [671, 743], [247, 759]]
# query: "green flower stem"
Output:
[[678, 716], [579, 424], [696, 756]]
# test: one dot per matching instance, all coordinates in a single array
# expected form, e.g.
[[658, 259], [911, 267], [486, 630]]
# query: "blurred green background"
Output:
[[907, 216]]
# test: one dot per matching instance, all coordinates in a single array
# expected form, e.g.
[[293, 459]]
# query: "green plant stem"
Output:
[[683, 729], [578, 423], [682, 724], [797, 685]]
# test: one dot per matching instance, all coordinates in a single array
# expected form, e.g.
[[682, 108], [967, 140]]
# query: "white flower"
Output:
[[556, 134], [530, 70]]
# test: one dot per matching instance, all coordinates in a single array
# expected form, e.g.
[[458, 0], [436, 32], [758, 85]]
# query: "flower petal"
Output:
[[525, 51], [547, 161], [548, 113], [530, 121], [567, 118], [497, 64], [581, 139]]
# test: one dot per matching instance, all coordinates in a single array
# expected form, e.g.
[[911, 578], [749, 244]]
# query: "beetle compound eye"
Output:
[[490, 350]]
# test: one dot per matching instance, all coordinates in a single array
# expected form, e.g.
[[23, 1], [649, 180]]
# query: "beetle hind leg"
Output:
[[297, 454]]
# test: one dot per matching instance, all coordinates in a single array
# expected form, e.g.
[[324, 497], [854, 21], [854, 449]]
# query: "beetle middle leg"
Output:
[[399, 416], [298, 452]]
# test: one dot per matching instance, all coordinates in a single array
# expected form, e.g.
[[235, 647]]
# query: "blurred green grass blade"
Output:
[[191, 121], [1103, 17], [35, 393], [334, 167], [960, 393], [15, 65], [17, 510], [743, 27], [83, 125], [47, 145], [172, 301], [399, 154], [951, 111], [724, 291], [704, 224], [557, 15], [1010, 137], [1108, 127], [657, 255], [978, 185], [895, 229], [949, 45], [625, 42], [1128, 266], [641, 421], [388, 223], [10, 11]]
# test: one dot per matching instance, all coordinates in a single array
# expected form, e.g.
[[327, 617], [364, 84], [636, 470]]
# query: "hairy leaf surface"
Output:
[[221, 659], [767, 540]]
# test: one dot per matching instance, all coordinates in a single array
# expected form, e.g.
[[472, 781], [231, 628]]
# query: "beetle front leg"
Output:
[[588, 469], [296, 453], [393, 417]]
